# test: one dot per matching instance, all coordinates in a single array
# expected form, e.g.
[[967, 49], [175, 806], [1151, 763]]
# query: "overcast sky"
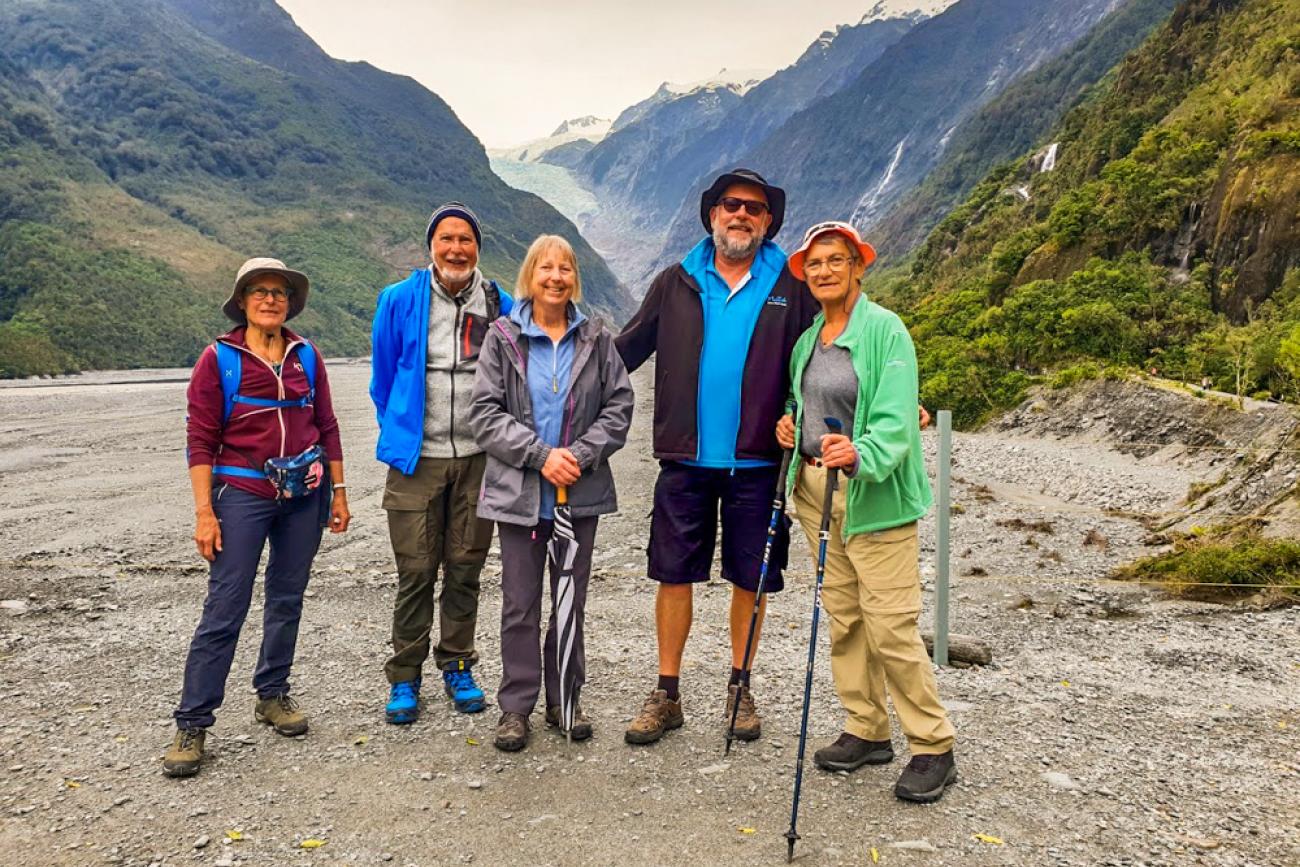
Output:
[[513, 69]]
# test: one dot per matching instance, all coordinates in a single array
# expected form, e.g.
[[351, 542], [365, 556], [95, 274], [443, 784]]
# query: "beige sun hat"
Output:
[[256, 267]]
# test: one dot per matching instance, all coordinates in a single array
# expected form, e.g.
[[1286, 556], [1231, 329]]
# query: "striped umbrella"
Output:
[[563, 550]]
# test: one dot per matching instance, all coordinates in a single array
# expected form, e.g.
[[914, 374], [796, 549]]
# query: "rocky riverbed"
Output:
[[1116, 726]]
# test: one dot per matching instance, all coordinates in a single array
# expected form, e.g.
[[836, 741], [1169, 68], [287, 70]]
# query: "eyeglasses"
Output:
[[731, 205], [834, 263], [261, 293]]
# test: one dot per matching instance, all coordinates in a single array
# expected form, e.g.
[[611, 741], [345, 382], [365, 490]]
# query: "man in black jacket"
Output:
[[730, 315]]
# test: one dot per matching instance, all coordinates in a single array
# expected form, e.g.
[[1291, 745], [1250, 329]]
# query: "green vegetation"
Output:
[[1015, 121], [1232, 560], [1165, 238], [147, 148]]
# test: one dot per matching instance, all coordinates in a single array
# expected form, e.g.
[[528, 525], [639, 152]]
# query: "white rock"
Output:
[[1058, 780]]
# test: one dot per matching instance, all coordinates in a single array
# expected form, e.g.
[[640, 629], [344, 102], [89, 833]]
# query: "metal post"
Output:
[[942, 537]]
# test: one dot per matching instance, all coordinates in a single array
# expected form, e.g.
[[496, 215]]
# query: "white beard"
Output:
[[735, 249]]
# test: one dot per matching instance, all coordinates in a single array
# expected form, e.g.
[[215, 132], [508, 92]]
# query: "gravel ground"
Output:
[[1115, 727]]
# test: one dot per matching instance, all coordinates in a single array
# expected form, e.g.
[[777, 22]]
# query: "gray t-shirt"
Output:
[[830, 389]]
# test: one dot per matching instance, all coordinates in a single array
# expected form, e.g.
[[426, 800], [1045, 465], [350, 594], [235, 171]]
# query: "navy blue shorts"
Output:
[[684, 525]]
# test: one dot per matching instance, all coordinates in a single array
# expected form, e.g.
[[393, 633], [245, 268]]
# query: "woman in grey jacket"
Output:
[[552, 402]]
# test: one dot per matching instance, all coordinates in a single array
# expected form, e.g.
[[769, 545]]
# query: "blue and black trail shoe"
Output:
[[403, 702], [464, 692]]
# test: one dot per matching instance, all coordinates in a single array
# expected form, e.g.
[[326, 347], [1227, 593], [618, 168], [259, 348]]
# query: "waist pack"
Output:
[[292, 477], [297, 476]]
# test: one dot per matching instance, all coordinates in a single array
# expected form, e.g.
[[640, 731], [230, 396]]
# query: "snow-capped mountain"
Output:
[[587, 128]]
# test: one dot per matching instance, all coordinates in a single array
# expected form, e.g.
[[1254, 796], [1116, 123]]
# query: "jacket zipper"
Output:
[[455, 362], [279, 381]]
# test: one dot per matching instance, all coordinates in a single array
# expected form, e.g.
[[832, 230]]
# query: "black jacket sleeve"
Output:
[[640, 337]]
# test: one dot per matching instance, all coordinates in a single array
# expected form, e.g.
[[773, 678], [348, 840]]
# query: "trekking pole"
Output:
[[824, 535], [778, 509]]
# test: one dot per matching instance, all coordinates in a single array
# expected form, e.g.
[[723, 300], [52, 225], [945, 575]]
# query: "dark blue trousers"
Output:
[[293, 528]]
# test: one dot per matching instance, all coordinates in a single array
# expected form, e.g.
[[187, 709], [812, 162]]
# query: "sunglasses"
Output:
[[260, 293], [731, 205]]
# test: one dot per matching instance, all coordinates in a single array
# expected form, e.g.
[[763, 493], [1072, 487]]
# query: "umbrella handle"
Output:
[[561, 495]]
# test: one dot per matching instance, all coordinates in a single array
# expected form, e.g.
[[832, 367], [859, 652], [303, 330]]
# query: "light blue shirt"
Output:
[[550, 371], [729, 319]]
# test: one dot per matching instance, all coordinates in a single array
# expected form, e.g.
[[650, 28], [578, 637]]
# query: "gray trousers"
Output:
[[524, 559], [433, 523]]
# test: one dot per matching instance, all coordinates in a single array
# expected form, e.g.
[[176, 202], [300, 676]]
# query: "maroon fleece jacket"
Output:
[[253, 433]]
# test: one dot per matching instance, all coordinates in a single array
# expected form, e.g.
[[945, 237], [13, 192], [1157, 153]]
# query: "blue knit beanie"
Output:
[[452, 209]]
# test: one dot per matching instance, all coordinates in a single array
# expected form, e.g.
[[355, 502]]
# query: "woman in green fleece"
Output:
[[857, 363]]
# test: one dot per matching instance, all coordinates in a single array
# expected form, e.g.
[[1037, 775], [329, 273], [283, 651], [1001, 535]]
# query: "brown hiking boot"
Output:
[[581, 725], [512, 732], [658, 715], [749, 725], [282, 712], [185, 754]]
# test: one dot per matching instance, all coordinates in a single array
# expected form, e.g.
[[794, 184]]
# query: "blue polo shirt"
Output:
[[729, 319]]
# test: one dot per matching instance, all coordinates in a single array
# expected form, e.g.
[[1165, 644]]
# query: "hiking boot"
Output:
[[512, 732], [749, 725], [403, 705], [658, 715], [185, 753], [581, 725], [465, 693], [282, 712], [850, 752], [925, 778]]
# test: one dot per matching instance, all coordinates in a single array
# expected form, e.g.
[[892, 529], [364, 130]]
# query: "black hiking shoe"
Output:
[[925, 778], [850, 752]]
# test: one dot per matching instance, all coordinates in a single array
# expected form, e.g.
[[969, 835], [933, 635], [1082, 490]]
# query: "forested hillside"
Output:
[[149, 146], [1165, 235]]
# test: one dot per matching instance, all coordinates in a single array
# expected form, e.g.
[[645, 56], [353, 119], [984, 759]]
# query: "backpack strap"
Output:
[[230, 367], [499, 302], [307, 355]]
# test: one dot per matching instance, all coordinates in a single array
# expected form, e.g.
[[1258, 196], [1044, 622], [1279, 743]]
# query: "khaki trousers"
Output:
[[433, 523], [872, 594]]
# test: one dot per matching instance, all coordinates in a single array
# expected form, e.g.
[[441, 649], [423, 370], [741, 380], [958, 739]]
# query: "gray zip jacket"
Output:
[[597, 416], [449, 367]]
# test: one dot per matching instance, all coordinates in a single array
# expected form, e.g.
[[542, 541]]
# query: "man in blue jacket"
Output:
[[730, 314], [425, 342]]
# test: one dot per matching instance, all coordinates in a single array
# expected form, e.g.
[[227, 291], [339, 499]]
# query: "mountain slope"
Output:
[[1014, 121], [1166, 235], [650, 160], [850, 155], [167, 141]]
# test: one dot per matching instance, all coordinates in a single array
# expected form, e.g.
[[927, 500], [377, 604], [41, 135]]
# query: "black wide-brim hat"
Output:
[[775, 197]]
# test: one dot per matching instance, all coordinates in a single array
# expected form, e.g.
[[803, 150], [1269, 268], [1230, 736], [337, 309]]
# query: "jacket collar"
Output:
[[522, 315], [849, 336], [236, 336], [476, 282], [700, 259]]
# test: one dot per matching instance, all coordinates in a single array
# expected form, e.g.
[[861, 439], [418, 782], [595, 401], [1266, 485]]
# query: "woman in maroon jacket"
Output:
[[261, 427]]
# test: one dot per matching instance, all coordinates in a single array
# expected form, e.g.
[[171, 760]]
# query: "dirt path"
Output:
[[1116, 727]]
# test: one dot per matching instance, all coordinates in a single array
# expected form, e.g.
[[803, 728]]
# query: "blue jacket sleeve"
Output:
[[384, 349]]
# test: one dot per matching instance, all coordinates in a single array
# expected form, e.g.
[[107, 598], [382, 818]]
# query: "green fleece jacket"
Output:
[[890, 487]]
